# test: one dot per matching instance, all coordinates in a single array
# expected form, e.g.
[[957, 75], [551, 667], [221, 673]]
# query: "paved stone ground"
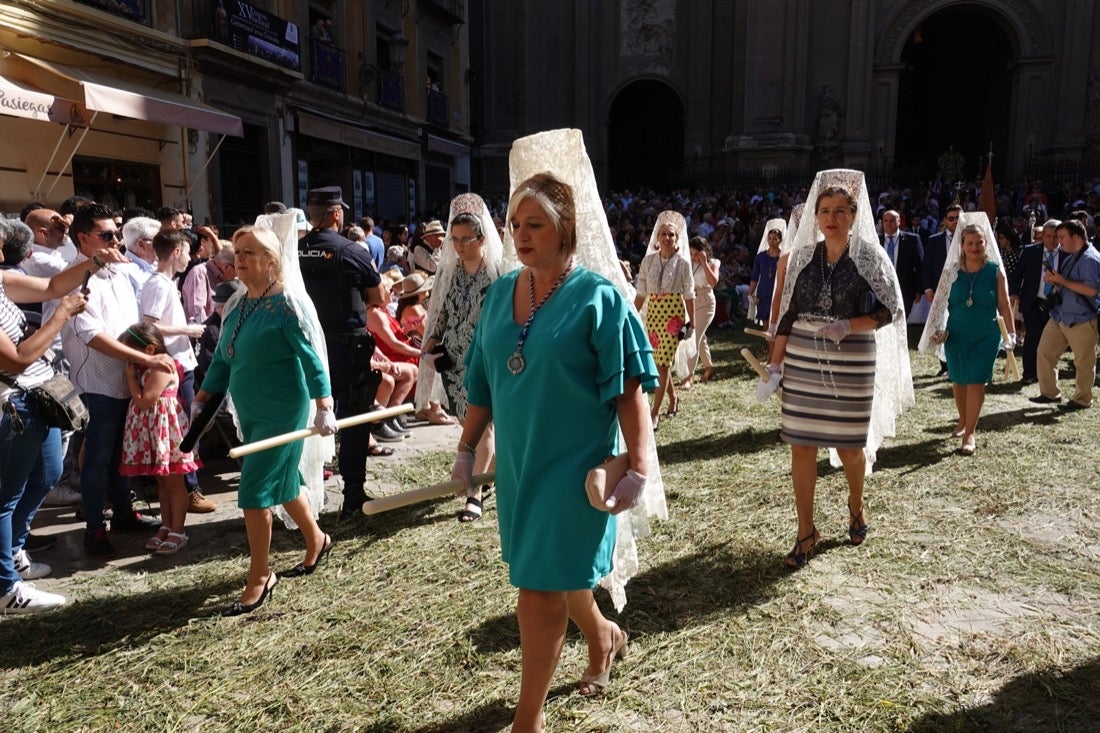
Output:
[[211, 534]]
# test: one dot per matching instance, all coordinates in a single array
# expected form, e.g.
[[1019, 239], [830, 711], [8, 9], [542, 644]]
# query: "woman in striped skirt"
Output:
[[837, 295]]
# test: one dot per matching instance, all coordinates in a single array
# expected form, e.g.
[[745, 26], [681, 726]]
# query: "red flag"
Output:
[[987, 202]]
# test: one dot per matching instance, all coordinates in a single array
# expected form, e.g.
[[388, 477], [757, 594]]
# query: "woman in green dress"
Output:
[[267, 363], [963, 317], [560, 362]]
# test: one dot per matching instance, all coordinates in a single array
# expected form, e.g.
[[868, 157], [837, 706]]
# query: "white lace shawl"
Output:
[[562, 153], [938, 311], [676, 219], [428, 385], [893, 373], [317, 450], [771, 226]]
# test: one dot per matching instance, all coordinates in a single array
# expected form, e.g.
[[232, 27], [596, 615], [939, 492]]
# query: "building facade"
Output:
[[710, 92], [218, 106]]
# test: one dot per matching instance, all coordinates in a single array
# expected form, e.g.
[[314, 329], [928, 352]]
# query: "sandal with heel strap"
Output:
[[857, 528], [597, 683], [173, 543], [801, 554]]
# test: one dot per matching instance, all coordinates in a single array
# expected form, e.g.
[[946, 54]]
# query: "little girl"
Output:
[[155, 423]]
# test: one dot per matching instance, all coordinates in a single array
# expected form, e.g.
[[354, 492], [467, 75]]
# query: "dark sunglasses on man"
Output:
[[108, 237]]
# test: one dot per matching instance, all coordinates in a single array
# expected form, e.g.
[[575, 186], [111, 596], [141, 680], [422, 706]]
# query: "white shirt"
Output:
[[160, 300], [111, 309]]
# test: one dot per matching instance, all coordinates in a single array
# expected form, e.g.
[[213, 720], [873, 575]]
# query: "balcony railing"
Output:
[[437, 108], [391, 90], [327, 67], [455, 10]]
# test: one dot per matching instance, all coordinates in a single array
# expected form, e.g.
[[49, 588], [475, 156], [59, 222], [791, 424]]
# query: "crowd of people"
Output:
[[555, 309]]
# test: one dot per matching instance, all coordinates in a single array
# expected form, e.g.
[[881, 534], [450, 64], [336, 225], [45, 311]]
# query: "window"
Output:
[[117, 184]]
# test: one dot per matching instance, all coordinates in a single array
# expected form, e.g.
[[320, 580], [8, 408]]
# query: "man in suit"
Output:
[[935, 255], [1028, 292], [907, 253]]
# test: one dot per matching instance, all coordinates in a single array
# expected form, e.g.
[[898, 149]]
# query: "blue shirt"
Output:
[[377, 250], [1083, 267]]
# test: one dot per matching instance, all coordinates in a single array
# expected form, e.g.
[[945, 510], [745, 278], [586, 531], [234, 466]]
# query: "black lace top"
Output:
[[833, 292]]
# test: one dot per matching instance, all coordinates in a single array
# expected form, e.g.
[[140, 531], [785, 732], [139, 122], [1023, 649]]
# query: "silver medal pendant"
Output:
[[826, 302], [516, 363], [969, 302]]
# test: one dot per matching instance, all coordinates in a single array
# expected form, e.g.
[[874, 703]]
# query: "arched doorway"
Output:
[[954, 92], [645, 136]]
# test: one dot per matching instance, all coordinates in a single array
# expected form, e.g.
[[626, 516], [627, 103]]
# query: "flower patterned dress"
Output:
[[152, 435]]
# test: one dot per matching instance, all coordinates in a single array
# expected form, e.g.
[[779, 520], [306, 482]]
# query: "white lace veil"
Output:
[[771, 226], [893, 373], [792, 225], [427, 386], [938, 311], [676, 219], [562, 153], [316, 450]]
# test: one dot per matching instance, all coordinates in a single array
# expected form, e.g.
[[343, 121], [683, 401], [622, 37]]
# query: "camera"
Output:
[[1049, 303]]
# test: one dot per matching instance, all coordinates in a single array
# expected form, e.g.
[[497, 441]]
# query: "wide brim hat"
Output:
[[415, 284], [433, 227]]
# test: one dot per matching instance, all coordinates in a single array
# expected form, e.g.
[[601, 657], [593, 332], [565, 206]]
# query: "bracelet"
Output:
[[99, 264], [465, 447]]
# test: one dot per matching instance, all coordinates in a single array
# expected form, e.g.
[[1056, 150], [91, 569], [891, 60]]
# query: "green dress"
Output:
[[973, 336], [554, 421], [272, 375]]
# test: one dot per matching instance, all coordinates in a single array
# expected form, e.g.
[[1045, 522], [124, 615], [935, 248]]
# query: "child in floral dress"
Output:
[[155, 423]]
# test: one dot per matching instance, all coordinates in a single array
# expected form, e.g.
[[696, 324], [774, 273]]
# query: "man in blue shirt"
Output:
[[374, 242], [1072, 322]]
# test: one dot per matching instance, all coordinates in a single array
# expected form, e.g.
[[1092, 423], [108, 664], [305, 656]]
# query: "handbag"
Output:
[[57, 401], [602, 480]]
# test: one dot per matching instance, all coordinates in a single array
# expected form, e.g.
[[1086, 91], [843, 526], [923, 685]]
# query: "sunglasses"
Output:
[[108, 237]]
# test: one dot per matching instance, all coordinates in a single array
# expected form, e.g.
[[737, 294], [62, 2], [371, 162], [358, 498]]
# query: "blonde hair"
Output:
[[555, 197], [268, 242], [971, 229]]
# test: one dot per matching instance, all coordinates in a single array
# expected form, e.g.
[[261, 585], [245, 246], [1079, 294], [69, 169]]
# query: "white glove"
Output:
[[463, 470], [765, 389], [628, 492], [772, 328], [325, 421], [1010, 342], [938, 337], [835, 331], [196, 409]]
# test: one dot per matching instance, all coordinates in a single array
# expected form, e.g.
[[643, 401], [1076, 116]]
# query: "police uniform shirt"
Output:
[[314, 254]]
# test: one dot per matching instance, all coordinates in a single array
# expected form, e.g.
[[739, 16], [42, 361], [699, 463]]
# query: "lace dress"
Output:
[[455, 330], [152, 435]]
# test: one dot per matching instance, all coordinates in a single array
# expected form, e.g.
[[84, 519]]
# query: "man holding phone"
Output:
[[1029, 293]]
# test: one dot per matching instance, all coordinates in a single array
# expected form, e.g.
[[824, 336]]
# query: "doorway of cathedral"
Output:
[[954, 94], [645, 136]]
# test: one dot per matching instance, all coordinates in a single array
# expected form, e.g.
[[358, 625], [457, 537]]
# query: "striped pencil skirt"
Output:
[[827, 388]]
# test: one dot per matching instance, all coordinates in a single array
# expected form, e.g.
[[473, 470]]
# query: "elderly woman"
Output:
[[557, 351], [25, 437], [972, 290], [666, 288], [268, 362], [841, 333], [466, 270], [705, 269]]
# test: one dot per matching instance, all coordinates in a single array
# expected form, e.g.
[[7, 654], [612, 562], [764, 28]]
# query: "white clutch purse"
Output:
[[602, 479]]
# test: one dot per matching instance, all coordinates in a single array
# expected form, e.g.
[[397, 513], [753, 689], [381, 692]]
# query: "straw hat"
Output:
[[415, 284]]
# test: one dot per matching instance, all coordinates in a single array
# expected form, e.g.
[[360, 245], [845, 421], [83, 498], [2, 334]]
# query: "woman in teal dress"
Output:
[[976, 291], [560, 363], [266, 362]]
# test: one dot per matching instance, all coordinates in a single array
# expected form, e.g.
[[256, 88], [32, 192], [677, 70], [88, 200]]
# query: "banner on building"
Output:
[[256, 32]]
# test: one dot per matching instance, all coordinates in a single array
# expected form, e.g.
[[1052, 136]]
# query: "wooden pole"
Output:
[[1012, 371], [396, 501], [347, 422], [755, 364]]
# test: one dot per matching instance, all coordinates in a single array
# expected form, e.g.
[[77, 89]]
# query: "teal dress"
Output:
[[973, 336], [554, 421], [272, 375]]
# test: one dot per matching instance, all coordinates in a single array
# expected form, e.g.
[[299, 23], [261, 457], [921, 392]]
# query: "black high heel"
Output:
[[302, 569], [237, 608], [857, 529], [801, 555]]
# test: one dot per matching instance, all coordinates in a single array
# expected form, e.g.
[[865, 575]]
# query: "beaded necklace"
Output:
[[254, 303], [825, 301], [516, 363]]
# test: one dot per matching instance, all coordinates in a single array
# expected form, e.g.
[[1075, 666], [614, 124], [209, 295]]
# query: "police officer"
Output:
[[336, 273]]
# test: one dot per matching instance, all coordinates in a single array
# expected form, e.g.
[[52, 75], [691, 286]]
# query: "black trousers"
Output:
[[1034, 322]]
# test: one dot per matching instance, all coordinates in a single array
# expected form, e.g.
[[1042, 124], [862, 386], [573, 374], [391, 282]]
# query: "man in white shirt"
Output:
[[137, 235], [161, 305], [97, 367]]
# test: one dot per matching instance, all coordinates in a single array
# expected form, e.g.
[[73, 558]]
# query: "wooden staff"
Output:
[[447, 488], [347, 422], [757, 332], [755, 364], [1012, 371]]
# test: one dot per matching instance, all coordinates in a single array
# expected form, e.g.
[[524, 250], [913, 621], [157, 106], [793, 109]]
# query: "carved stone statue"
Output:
[[830, 116]]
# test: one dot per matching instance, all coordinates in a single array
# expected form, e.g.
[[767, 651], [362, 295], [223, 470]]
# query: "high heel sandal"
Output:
[[302, 569], [237, 608], [673, 406], [857, 528], [800, 555], [597, 683]]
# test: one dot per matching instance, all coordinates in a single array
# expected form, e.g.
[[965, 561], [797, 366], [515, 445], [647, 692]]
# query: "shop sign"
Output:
[[257, 33]]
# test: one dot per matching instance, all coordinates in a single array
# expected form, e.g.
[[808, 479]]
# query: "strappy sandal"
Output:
[[175, 542], [673, 406], [472, 512], [595, 684], [857, 528], [379, 450], [801, 554], [156, 540]]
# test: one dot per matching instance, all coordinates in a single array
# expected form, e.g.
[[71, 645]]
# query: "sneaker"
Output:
[[199, 504], [61, 495], [25, 598], [36, 542], [133, 522], [97, 544], [29, 569]]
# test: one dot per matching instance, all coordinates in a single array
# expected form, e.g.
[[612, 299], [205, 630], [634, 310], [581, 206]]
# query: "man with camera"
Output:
[[1072, 320], [1031, 295]]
